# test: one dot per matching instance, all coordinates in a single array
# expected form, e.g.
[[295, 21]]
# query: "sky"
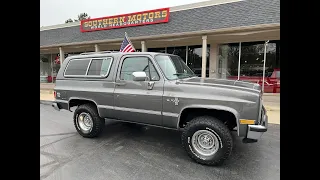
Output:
[[54, 12]]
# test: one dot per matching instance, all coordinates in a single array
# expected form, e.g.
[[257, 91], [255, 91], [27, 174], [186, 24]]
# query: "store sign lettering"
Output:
[[126, 20]]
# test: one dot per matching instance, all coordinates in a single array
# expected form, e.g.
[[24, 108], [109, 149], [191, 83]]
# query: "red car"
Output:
[[271, 82]]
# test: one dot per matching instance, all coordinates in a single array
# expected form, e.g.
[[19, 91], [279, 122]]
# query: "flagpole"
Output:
[[239, 61], [125, 33], [264, 63], [263, 74]]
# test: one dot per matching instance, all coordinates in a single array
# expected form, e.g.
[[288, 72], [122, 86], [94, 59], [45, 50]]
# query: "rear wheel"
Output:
[[87, 121], [207, 140]]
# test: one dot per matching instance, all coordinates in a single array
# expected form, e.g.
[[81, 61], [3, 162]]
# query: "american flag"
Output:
[[126, 45]]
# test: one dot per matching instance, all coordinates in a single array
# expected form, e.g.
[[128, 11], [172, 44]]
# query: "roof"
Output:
[[235, 14]]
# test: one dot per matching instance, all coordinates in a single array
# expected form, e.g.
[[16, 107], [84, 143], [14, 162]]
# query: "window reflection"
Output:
[[45, 67], [251, 63], [160, 50], [228, 60], [252, 59], [195, 59], [180, 51]]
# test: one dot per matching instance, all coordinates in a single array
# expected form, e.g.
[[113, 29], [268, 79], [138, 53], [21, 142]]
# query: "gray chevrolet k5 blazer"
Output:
[[160, 90]]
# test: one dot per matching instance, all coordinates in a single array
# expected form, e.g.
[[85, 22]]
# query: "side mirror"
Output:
[[139, 76]]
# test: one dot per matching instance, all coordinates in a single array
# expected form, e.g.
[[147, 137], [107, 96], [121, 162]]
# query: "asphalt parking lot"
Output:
[[124, 152]]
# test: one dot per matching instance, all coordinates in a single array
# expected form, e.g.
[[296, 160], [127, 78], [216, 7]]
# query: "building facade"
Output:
[[216, 39]]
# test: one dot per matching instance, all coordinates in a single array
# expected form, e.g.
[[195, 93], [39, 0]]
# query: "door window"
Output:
[[134, 64]]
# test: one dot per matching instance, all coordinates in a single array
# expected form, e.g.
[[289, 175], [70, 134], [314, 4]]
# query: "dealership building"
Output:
[[216, 38]]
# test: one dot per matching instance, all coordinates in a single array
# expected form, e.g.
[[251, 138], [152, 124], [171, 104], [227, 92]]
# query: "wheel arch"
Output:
[[208, 107], [76, 101]]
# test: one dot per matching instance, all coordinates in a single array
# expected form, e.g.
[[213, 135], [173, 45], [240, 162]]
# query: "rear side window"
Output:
[[99, 67], [77, 67], [88, 67]]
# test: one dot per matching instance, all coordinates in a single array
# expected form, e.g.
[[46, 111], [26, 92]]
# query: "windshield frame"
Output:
[[169, 55]]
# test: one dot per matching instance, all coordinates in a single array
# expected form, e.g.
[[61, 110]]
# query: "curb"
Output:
[[46, 102]]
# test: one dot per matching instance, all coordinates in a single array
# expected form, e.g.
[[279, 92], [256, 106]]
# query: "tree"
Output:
[[81, 16], [69, 20]]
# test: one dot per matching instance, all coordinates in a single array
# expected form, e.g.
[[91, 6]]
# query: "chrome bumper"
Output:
[[255, 131]]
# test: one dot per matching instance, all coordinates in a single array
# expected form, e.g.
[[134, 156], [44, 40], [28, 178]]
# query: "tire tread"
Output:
[[210, 122], [98, 122]]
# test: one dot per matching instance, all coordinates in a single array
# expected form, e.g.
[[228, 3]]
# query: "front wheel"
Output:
[[207, 140], [87, 121]]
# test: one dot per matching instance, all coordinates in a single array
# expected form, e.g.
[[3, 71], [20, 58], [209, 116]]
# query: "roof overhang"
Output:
[[234, 31]]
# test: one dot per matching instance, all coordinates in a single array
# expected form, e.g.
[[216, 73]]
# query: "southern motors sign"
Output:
[[126, 20]]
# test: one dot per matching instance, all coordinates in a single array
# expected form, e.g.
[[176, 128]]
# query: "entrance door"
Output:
[[139, 101]]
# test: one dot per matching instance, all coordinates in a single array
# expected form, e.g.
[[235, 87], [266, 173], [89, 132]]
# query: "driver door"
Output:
[[138, 101]]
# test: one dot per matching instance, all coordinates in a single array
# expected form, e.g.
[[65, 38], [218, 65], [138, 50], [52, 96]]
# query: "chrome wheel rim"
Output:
[[205, 142], [85, 122]]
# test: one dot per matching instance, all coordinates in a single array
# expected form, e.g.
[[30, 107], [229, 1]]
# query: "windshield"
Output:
[[173, 67]]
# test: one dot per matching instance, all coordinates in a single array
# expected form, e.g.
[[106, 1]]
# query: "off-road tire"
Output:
[[98, 122], [215, 126]]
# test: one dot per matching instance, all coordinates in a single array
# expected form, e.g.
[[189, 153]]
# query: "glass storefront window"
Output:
[[45, 67], [55, 66], [252, 59], [251, 63], [195, 59], [180, 51], [160, 50], [228, 61]]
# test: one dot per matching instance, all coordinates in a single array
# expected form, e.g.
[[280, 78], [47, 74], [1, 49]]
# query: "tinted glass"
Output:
[[179, 51], [252, 59], [161, 50], [99, 67], [228, 60], [77, 67], [195, 59]]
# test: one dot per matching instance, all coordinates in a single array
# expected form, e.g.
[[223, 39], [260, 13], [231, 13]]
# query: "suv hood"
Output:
[[233, 84]]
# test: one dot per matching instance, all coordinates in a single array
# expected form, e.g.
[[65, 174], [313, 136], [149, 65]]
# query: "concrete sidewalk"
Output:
[[271, 103]]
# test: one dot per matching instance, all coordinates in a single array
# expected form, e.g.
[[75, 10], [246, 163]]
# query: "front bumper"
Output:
[[255, 132]]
